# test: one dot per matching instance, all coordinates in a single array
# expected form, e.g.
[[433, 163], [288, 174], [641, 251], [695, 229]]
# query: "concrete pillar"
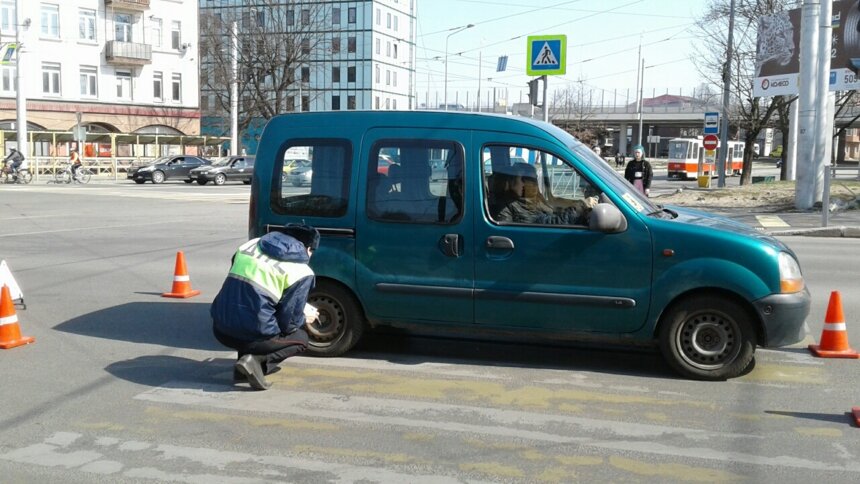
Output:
[[790, 145], [622, 138]]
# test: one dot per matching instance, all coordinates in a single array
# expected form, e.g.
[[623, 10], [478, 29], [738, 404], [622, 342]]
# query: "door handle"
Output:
[[450, 245], [495, 242]]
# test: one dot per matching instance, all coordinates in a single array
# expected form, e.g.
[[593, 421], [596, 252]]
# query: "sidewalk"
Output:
[[843, 223]]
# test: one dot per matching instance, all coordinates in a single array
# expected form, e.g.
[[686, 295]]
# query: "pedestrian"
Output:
[[596, 150], [619, 159], [261, 310], [638, 171]]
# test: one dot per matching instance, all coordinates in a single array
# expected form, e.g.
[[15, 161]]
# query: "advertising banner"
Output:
[[777, 68]]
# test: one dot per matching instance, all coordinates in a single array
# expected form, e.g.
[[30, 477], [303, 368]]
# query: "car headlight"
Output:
[[147, 168], [790, 278]]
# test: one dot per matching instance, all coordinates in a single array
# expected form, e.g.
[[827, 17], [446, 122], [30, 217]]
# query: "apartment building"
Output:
[[349, 55], [127, 66]]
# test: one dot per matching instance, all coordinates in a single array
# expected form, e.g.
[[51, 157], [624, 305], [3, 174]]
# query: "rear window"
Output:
[[318, 187]]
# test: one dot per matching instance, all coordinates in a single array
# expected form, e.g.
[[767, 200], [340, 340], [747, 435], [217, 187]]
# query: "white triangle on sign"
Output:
[[545, 57], [7, 279]]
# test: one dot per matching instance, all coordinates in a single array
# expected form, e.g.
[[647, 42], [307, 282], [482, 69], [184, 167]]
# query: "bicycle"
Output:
[[65, 175], [22, 175]]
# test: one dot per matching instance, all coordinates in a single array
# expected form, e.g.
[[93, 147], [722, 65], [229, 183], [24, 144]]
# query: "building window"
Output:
[[350, 44], [394, 101], [176, 88], [335, 45], [306, 16], [350, 15], [204, 103], [306, 46], [8, 80], [89, 81], [350, 74], [376, 102], [387, 77], [387, 103], [335, 74], [378, 46], [306, 74], [378, 17], [176, 34], [395, 50], [158, 87], [306, 103], [350, 102], [388, 49], [261, 18], [394, 78], [123, 85], [395, 23], [291, 17], [122, 27], [335, 16], [388, 20], [291, 103], [87, 25], [335, 103], [50, 21], [156, 32], [8, 23], [376, 69], [51, 78]]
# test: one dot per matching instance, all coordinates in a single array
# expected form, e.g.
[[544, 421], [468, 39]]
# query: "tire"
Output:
[[139, 181], [201, 181], [188, 180], [66, 177], [707, 338], [84, 176], [297, 183], [157, 177], [341, 321], [246, 182], [219, 179], [25, 177]]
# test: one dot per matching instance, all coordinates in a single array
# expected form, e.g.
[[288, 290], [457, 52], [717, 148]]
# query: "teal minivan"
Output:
[[505, 227]]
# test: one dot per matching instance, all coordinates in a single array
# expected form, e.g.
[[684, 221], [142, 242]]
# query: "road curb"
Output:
[[840, 231]]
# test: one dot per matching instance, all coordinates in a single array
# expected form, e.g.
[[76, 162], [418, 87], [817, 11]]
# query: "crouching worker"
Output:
[[262, 307]]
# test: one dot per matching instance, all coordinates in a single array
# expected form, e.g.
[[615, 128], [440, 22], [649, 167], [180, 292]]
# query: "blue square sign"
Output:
[[546, 55]]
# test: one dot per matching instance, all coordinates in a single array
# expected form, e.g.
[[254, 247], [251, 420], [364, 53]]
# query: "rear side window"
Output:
[[314, 178], [418, 181]]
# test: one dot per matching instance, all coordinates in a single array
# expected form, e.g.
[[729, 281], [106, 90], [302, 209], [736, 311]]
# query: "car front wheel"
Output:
[[201, 181], [708, 338], [157, 177], [220, 179], [340, 324]]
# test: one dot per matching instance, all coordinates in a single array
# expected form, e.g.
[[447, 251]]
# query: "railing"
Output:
[[103, 168], [128, 52], [134, 4]]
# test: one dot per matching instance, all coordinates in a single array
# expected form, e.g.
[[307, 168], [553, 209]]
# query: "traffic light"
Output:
[[533, 92]]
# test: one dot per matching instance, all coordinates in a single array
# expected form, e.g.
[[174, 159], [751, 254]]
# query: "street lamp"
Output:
[[456, 30]]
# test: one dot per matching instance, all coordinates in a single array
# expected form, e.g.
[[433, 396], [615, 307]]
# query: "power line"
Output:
[[484, 22]]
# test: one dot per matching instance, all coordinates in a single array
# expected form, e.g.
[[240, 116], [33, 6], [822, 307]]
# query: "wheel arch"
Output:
[[758, 324]]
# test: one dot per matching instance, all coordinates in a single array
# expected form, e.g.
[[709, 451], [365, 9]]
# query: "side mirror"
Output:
[[606, 218]]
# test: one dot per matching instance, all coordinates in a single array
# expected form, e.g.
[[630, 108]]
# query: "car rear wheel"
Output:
[[220, 179], [201, 181], [158, 177], [139, 181], [707, 338], [188, 180], [297, 183], [340, 324], [246, 182]]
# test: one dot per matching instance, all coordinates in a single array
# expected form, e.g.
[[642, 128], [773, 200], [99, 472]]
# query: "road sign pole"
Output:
[[727, 78], [545, 105]]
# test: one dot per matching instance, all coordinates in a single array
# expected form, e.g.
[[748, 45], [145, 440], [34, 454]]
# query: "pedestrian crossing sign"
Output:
[[546, 55], [8, 53]]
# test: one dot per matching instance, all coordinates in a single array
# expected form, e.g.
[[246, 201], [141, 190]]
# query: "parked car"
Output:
[[167, 168], [292, 164], [607, 265], [299, 175], [224, 169]]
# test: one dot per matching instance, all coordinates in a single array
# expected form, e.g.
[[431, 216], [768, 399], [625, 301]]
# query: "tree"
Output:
[[571, 109], [278, 41], [748, 113]]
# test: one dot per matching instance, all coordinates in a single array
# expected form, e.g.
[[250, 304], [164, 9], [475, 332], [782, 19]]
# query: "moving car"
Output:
[[300, 174], [224, 169], [439, 257], [167, 168], [292, 164]]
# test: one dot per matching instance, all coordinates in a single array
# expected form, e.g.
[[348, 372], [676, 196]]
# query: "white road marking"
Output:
[[771, 221]]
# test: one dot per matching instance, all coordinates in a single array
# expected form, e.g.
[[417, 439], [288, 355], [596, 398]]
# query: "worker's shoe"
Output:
[[239, 377], [249, 365]]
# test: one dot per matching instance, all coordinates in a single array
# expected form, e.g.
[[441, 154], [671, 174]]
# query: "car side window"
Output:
[[319, 187], [528, 186], [417, 181]]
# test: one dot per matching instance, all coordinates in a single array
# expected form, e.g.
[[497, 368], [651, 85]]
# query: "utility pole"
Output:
[[639, 91], [21, 99], [641, 87], [234, 91], [804, 194], [724, 122]]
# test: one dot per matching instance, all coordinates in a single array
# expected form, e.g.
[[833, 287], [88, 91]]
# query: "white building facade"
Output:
[[127, 66]]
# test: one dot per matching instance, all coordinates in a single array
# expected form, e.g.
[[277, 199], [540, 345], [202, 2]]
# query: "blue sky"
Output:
[[602, 37]]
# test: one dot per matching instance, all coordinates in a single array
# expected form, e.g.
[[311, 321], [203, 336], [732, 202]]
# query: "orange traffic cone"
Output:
[[181, 280], [856, 412], [834, 338], [10, 332]]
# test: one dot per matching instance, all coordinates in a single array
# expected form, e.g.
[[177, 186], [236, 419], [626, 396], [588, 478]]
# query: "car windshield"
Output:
[[160, 161], [224, 160]]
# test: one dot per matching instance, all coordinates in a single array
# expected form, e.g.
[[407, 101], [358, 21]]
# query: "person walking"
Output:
[[639, 172], [619, 159], [261, 310]]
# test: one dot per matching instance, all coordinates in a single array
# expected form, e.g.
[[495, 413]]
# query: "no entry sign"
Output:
[[710, 142]]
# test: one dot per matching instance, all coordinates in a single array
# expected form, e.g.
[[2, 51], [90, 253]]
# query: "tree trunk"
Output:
[[749, 145]]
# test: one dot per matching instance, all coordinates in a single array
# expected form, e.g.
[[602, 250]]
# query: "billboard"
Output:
[[777, 68]]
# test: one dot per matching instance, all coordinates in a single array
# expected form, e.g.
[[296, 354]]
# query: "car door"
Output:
[[414, 251], [552, 272], [188, 164], [173, 168], [237, 169]]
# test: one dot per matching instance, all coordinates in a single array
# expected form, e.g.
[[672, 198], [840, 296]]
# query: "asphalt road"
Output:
[[125, 386]]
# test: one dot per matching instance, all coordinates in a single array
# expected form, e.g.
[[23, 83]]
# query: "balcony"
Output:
[[127, 53], [131, 5]]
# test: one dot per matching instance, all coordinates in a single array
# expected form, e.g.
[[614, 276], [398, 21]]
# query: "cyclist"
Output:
[[75, 160], [17, 162]]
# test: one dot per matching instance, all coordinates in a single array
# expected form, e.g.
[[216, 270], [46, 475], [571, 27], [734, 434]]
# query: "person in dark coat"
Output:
[[261, 309], [639, 172]]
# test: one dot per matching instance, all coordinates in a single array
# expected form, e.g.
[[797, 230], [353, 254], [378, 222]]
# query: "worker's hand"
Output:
[[311, 314], [591, 202]]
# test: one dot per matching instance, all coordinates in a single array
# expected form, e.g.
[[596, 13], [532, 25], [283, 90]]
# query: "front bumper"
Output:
[[201, 176], [784, 317], [140, 175]]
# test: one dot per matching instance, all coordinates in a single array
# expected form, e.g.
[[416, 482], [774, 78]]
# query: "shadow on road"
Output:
[[157, 370], [177, 324], [844, 418]]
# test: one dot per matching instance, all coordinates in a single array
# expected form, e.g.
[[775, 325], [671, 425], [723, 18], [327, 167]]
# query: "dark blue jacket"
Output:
[[244, 311]]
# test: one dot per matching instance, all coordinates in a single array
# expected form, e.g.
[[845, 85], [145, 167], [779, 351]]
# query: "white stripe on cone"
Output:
[[181, 278], [835, 327], [9, 319]]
